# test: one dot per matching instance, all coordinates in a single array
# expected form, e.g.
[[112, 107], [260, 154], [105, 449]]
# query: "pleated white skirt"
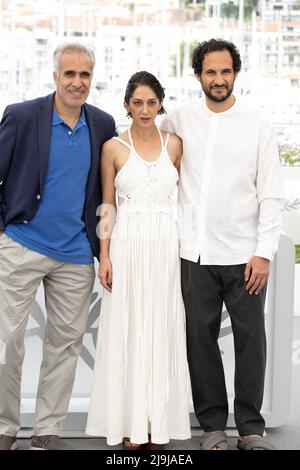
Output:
[[141, 382]]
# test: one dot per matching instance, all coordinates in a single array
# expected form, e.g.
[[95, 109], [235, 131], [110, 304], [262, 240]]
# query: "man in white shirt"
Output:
[[230, 201]]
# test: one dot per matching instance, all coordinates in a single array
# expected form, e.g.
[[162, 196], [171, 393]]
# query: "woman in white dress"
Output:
[[141, 383]]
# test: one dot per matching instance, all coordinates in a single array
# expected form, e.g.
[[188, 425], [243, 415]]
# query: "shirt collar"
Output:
[[212, 113], [82, 120], [56, 119]]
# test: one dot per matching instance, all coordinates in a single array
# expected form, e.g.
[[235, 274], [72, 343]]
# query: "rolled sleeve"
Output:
[[270, 215]]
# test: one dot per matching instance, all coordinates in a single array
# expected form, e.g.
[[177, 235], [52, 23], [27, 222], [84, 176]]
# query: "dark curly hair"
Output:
[[146, 79], [214, 45]]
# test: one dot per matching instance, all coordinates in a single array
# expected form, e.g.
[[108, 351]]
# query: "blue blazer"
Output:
[[25, 133]]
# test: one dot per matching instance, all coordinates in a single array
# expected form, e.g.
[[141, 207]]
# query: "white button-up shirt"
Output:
[[230, 190]]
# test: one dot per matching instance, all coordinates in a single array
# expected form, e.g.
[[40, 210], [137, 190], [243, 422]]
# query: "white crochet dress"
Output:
[[141, 382]]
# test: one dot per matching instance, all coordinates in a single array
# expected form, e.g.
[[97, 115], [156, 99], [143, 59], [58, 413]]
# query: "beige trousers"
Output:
[[68, 288]]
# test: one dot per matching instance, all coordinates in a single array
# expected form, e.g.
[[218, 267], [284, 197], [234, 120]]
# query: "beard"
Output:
[[218, 98]]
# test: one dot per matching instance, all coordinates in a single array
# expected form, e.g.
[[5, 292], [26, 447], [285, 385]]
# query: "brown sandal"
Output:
[[128, 445]]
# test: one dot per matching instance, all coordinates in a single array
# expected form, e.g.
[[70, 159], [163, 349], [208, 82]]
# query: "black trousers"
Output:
[[204, 289]]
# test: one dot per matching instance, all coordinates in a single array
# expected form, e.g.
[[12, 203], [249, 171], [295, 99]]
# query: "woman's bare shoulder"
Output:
[[175, 139], [172, 137], [175, 147], [109, 144], [113, 144], [175, 144]]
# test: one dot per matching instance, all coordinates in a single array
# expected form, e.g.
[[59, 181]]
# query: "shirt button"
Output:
[[25, 221], [70, 132], [38, 196]]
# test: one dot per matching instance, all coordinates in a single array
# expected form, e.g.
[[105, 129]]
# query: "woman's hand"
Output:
[[105, 273]]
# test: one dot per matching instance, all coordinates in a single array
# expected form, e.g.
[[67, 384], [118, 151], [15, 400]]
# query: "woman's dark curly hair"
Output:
[[214, 45], [146, 79]]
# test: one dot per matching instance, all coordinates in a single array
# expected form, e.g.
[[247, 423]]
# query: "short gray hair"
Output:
[[74, 48]]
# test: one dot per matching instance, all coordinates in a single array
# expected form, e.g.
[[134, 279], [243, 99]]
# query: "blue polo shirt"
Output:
[[57, 229]]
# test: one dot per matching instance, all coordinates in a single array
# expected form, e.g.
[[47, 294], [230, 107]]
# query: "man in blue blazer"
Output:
[[49, 195]]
